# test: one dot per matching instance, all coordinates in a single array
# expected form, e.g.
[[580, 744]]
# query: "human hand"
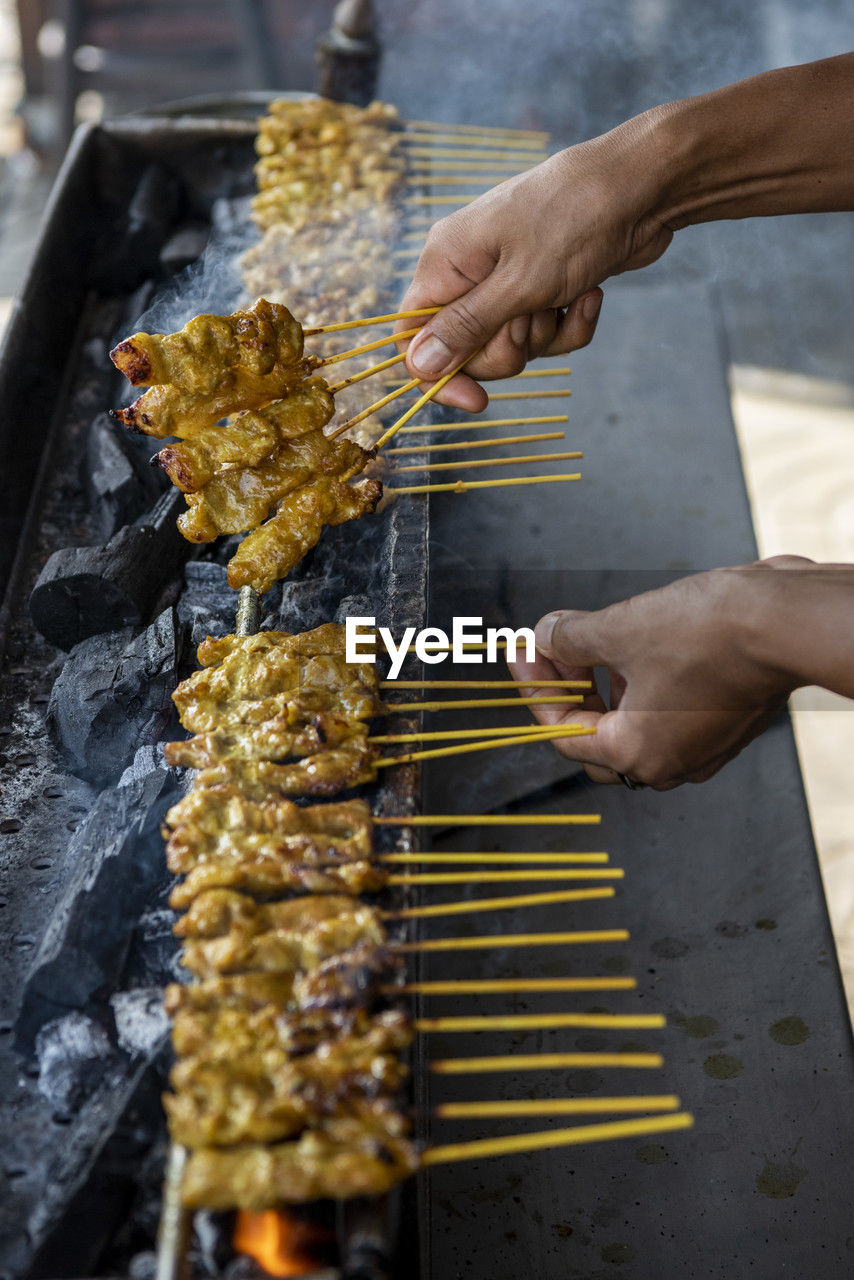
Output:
[[517, 272], [697, 669]]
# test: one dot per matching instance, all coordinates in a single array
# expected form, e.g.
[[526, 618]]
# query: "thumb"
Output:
[[567, 636], [460, 330]]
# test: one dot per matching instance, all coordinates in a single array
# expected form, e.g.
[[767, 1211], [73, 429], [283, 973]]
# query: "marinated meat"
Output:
[[343, 1159], [324, 774], [228, 932], [273, 549]]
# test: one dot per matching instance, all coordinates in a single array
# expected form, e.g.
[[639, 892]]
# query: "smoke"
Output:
[[211, 284]]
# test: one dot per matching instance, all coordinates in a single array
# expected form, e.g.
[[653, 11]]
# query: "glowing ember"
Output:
[[281, 1244]]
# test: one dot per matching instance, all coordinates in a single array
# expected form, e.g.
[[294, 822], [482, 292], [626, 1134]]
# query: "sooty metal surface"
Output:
[[86, 945]]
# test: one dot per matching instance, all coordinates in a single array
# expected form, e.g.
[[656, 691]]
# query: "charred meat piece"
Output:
[[275, 739], [216, 1106], [271, 877], [326, 773], [228, 932], [344, 1159], [221, 823], [249, 437], [215, 366], [273, 549], [240, 499]]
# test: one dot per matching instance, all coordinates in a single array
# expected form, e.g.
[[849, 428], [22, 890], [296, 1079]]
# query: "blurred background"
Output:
[[780, 290]]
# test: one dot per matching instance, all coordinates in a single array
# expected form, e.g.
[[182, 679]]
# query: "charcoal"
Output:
[[348, 56], [304, 604], [121, 485], [130, 252], [118, 871], [67, 1049], [153, 953], [113, 695], [207, 603], [84, 591], [183, 247], [141, 1021]]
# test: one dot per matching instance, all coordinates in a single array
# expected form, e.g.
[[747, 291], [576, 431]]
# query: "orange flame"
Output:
[[281, 1244]]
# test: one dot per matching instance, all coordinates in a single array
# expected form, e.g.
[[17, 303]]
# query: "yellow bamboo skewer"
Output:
[[430, 200], [447, 168], [420, 402], [490, 820], [529, 395], [542, 1062], [519, 1107], [473, 704], [485, 684], [480, 1148], [490, 941], [418, 151], [391, 318], [539, 420], [420, 220], [489, 130], [463, 486], [451, 735], [465, 748], [404, 859], [540, 1022], [512, 902], [465, 704], [375, 407], [562, 372], [509, 877], [335, 387], [364, 348], [534, 438], [508, 986], [494, 146], [459, 464], [463, 180]]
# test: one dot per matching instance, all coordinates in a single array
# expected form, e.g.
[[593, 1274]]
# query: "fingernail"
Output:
[[590, 310], [431, 355], [543, 634], [520, 327]]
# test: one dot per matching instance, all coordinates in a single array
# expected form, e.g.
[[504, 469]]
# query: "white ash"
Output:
[[66, 1048], [141, 1021]]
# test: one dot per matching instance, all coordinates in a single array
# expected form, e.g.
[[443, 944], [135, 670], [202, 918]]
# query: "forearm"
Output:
[[781, 142], [800, 622]]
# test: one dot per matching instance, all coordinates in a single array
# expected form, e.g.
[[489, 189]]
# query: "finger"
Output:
[[539, 672], [544, 327], [460, 329], [578, 325], [461, 392], [506, 353], [567, 637]]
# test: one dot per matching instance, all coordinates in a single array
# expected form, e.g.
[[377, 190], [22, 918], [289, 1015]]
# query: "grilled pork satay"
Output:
[[228, 932], [215, 365], [324, 774], [272, 550], [344, 1159], [222, 823], [241, 498], [249, 437], [347, 980], [268, 877], [225, 1106], [275, 739], [327, 640]]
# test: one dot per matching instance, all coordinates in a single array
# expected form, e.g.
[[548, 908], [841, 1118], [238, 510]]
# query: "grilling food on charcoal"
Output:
[[272, 459], [287, 1049]]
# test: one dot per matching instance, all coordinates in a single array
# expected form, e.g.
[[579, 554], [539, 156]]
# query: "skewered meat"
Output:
[[241, 498], [215, 365], [249, 437], [222, 823], [323, 774], [272, 550], [271, 876], [344, 1159], [223, 1106], [347, 980], [228, 932], [274, 739], [329, 639]]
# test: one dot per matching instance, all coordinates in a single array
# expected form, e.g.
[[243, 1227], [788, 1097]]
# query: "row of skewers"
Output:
[[289, 1040]]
